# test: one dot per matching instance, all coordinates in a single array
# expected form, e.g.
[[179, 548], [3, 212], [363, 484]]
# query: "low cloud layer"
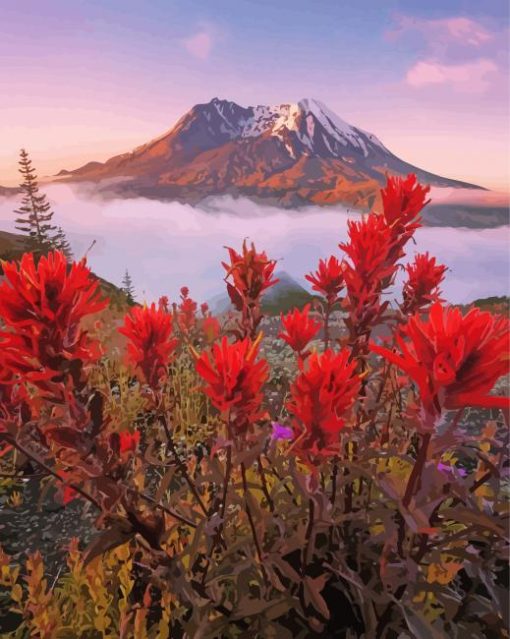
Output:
[[166, 245]]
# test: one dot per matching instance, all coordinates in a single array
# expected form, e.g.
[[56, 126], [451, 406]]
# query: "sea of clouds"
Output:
[[166, 245]]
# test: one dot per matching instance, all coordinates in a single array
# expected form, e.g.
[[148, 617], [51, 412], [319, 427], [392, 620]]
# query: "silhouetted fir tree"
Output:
[[128, 288], [35, 213], [61, 242]]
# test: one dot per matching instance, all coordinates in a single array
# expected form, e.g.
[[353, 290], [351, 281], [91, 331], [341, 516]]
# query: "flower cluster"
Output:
[[150, 346], [369, 268], [421, 287], [250, 274], [320, 397], [186, 311], [403, 200], [42, 307], [234, 381], [328, 280], [455, 360], [299, 329], [374, 248]]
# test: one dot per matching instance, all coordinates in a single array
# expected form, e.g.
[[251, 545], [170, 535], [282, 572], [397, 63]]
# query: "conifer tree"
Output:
[[35, 212], [61, 242], [128, 288]]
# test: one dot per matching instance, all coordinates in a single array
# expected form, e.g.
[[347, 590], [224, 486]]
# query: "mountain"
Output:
[[9, 191], [280, 298], [291, 154]]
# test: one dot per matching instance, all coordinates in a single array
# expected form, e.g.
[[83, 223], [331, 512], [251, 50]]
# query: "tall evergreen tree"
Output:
[[35, 212], [128, 288]]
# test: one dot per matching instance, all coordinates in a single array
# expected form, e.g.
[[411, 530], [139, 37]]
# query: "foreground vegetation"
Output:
[[338, 486]]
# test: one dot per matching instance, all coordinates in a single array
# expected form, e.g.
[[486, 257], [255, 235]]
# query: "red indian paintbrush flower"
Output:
[[370, 268], [455, 360], [369, 251], [151, 346], [235, 379], [320, 397], [422, 285], [403, 199], [42, 307], [251, 274], [299, 328], [328, 280], [186, 311]]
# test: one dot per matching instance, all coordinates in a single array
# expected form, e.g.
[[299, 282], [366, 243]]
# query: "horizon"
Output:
[[85, 82]]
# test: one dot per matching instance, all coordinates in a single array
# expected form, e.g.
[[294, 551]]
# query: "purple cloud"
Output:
[[456, 29], [458, 53], [199, 45]]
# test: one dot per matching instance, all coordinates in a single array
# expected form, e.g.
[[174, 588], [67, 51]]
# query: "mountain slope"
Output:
[[292, 153]]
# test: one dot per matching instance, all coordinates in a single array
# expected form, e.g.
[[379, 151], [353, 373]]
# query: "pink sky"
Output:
[[85, 83]]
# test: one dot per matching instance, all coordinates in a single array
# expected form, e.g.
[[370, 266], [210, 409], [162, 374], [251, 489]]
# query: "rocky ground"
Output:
[[42, 524]]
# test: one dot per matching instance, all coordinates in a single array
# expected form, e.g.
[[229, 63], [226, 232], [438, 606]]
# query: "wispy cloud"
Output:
[[457, 29], [199, 45], [470, 77]]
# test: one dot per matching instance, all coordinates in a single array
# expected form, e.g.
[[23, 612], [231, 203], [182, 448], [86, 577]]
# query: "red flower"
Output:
[[328, 280], [422, 285], [370, 268], [403, 199], [204, 308], [320, 396], [251, 274], [163, 303], [129, 441], [42, 307], [151, 346], [455, 360], [235, 380], [186, 311], [211, 328], [299, 328], [369, 249]]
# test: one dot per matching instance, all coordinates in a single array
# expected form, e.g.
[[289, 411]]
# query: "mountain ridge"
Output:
[[295, 153]]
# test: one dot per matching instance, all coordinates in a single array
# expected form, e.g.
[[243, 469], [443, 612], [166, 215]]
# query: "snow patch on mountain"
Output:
[[301, 120]]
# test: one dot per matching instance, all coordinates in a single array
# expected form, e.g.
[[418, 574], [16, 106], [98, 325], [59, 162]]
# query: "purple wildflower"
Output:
[[281, 432]]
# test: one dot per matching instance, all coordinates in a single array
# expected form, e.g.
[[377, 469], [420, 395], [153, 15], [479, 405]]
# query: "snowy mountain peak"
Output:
[[305, 127], [338, 128]]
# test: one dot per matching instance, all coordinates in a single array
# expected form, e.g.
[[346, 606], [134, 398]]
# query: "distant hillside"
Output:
[[11, 246], [494, 304]]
